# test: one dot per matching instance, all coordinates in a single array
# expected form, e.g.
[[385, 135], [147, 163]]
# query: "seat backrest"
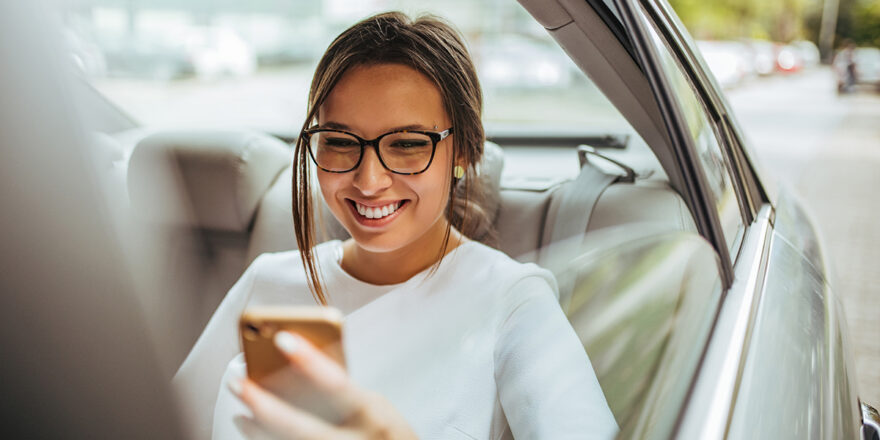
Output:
[[518, 215], [522, 218], [223, 198], [198, 192]]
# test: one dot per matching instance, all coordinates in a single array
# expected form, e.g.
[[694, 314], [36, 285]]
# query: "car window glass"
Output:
[[715, 163], [642, 307], [249, 65]]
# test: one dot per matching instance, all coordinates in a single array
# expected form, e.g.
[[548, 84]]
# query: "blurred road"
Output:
[[827, 149]]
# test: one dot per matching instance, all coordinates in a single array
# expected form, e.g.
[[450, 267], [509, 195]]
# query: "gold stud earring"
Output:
[[458, 172]]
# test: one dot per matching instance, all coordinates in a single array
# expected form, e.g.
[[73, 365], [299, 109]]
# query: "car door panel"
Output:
[[787, 387]]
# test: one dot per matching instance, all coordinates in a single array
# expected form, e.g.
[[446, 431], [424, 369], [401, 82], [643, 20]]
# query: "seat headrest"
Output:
[[219, 176], [489, 174]]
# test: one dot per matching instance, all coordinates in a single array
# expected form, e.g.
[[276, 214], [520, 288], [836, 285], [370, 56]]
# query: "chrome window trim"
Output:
[[716, 102], [696, 192], [707, 412], [706, 89]]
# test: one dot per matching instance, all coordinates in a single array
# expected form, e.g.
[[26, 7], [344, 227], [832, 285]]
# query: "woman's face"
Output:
[[370, 101]]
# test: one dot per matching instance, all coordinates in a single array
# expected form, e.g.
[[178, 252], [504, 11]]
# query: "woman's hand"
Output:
[[361, 414]]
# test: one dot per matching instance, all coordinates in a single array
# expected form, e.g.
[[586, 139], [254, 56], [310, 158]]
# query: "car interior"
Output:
[[216, 199], [107, 292]]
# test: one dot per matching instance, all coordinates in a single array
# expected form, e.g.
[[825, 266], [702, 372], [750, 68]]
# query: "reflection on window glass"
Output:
[[707, 145], [228, 63]]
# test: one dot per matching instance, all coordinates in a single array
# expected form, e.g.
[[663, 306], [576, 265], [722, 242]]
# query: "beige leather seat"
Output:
[[198, 192], [225, 197]]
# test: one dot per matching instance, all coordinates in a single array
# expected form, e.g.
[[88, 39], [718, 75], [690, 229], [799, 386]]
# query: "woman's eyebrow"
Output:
[[340, 126], [410, 127], [335, 126]]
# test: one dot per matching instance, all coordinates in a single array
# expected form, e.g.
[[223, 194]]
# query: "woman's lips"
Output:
[[378, 211], [375, 215]]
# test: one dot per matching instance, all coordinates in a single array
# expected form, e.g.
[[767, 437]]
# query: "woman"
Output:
[[455, 339]]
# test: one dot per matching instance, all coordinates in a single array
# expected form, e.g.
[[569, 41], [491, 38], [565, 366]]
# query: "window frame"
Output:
[[697, 193], [751, 192]]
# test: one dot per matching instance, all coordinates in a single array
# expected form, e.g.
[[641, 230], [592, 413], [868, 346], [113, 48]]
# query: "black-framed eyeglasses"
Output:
[[401, 152]]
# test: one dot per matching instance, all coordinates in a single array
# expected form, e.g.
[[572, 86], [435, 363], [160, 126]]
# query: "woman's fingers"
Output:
[[280, 419], [311, 362], [326, 380], [315, 399]]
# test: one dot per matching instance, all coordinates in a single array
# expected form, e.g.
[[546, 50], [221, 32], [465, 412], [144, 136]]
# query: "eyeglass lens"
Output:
[[404, 152]]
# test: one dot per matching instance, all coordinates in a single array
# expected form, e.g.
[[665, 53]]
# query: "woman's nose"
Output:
[[370, 177]]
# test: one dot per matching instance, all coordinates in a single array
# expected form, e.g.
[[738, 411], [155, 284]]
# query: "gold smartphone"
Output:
[[322, 326]]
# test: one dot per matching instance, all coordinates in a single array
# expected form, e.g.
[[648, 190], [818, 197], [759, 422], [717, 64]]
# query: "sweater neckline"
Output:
[[334, 255]]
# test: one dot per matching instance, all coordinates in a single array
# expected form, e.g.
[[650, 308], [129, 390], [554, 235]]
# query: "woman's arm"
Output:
[[198, 378], [546, 384]]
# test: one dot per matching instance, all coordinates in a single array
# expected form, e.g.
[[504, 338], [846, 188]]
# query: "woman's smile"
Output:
[[376, 213]]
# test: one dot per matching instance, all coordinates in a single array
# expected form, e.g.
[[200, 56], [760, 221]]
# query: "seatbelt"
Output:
[[569, 214]]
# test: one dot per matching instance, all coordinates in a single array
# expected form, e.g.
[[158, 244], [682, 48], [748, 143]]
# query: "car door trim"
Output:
[[707, 413], [696, 192], [720, 108]]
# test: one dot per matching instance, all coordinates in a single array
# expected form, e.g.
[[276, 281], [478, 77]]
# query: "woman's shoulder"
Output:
[[481, 262]]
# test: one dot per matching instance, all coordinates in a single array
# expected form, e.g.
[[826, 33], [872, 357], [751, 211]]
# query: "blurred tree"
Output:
[[783, 20], [859, 21], [732, 19]]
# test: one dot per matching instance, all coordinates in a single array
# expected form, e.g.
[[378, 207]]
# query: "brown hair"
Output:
[[434, 48]]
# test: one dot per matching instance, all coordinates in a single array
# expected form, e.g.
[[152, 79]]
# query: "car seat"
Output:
[[224, 197]]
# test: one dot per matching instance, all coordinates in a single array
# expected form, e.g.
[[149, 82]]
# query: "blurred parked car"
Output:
[[865, 64], [205, 52], [729, 61], [500, 63], [218, 51], [809, 53], [764, 55], [789, 59], [144, 56]]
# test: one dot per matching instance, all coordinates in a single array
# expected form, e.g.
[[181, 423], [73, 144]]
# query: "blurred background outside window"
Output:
[[228, 63], [744, 39]]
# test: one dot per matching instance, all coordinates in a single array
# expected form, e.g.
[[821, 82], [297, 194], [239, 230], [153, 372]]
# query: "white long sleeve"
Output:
[[480, 349], [546, 384]]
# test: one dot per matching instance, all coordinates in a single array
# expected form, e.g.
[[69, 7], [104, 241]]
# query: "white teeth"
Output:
[[377, 212]]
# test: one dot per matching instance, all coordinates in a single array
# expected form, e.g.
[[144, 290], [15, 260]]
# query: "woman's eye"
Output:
[[339, 142], [413, 143]]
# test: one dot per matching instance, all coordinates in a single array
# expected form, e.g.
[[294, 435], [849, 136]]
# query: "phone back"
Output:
[[322, 326]]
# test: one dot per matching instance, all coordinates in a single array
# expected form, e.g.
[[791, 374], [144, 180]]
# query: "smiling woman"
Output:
[[372, 100], [443, 330]]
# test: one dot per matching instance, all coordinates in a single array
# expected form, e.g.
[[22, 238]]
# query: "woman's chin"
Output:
[[378, 243]]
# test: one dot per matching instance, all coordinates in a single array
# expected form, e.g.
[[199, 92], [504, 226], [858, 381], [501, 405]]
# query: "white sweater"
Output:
[[478, 350]]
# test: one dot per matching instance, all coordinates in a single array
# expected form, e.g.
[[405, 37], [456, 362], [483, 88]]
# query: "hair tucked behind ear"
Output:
[[468, 209], [434, 48]]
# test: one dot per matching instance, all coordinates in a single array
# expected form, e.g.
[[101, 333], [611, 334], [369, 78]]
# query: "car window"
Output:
[[707, 140], [641, 307], [250, 64]]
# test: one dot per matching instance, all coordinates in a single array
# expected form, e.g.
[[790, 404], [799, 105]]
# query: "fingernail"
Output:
[[234, 385], [286, 342]]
